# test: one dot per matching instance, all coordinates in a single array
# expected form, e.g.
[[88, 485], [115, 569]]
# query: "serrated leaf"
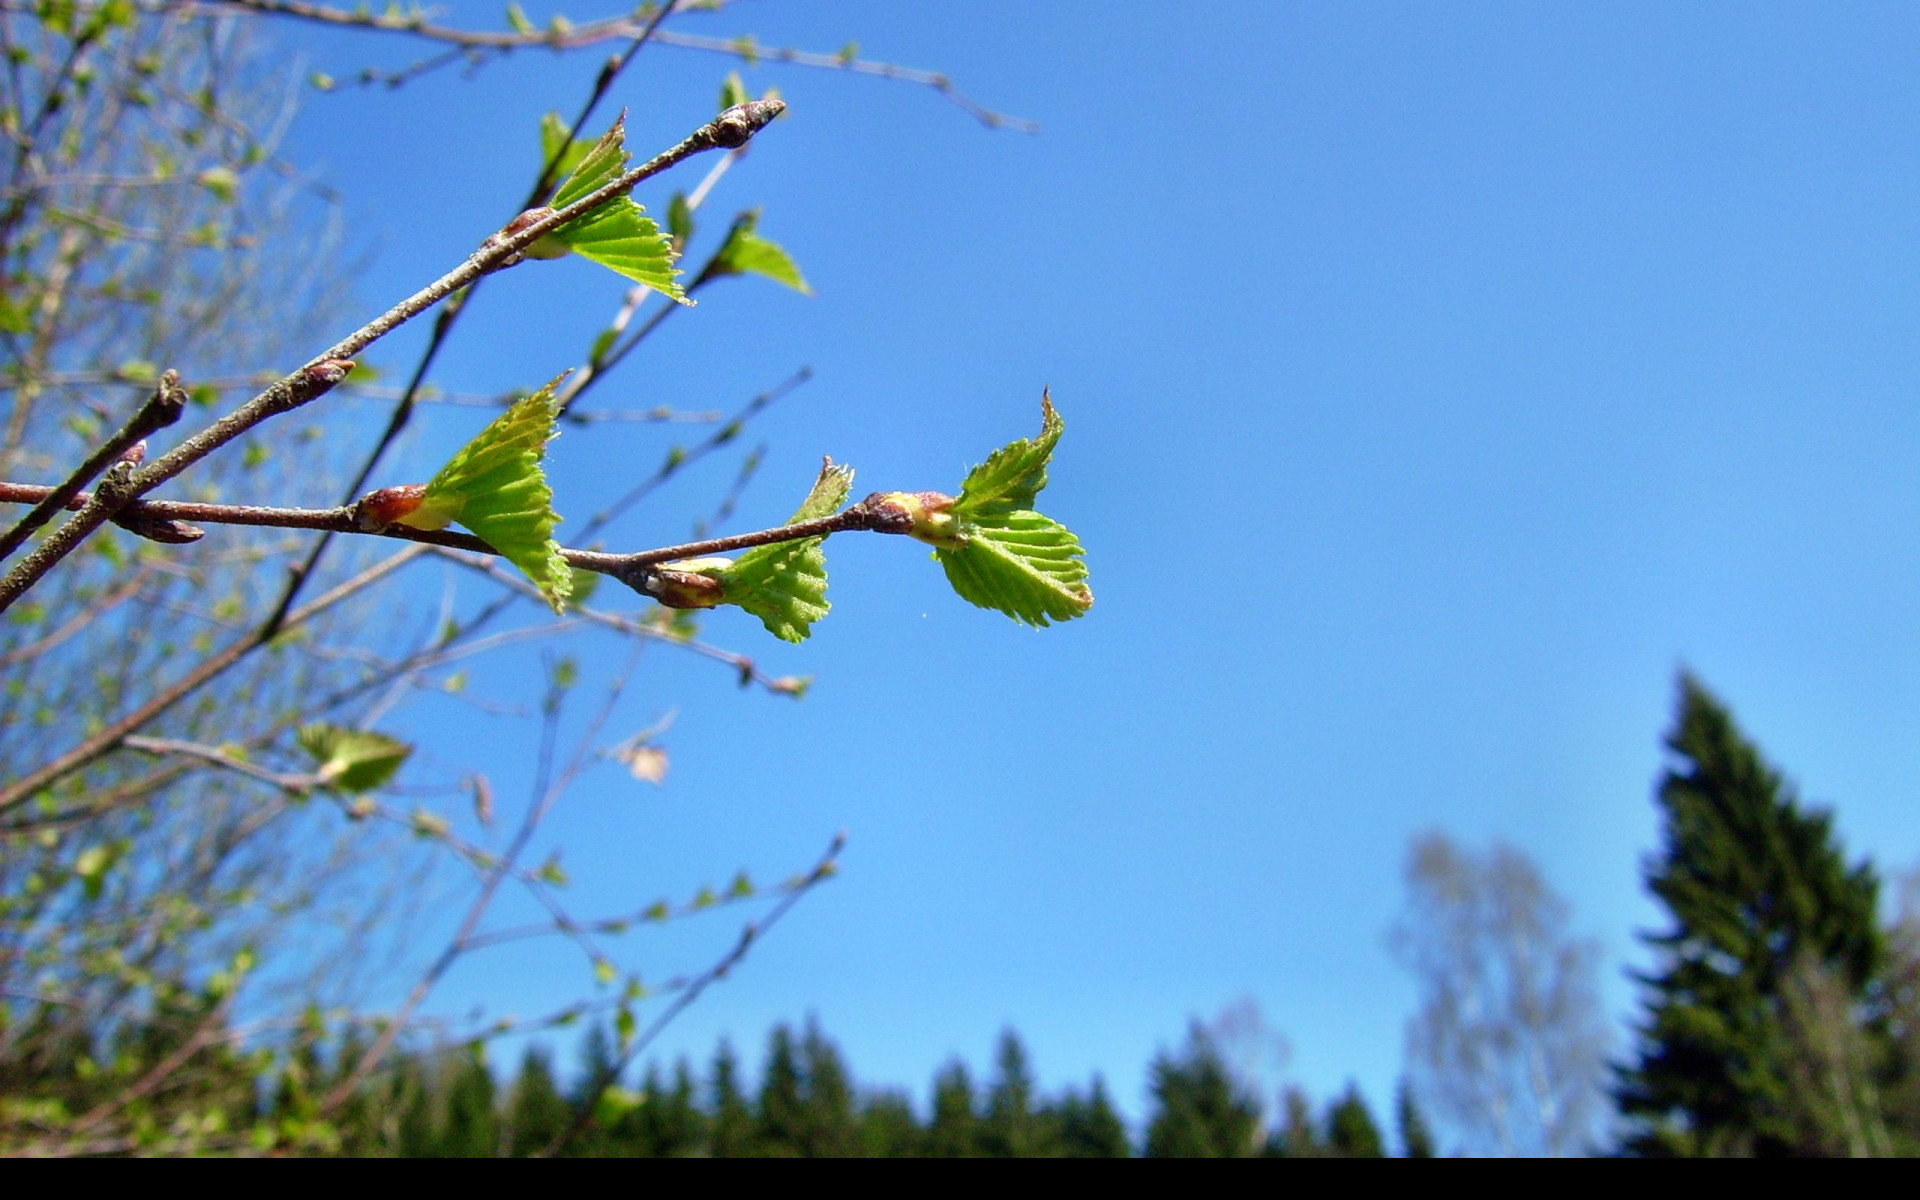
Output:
[[785, 584], [1009, 557], [1014, 474], [745, 252], [352, 760], [1023, 564], [618, 235], [554, 143], [494, 487]]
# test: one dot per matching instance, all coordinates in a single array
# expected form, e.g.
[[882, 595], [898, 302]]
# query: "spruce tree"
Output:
[[1200, 1109], [955, 1131], [1416, 1139], [472, 1127], [830, 1130], [888, 1128], [537, 1112], [1759, 892], [1012, 1129], [731, 1127], [1351, 1131], [1088, 1127], [780, 1124]]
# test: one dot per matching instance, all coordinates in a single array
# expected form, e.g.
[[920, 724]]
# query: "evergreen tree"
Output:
[[1012, 1129], [416, 1131], [1088, 1127], [668, 1122], [1758, 891], [780, 1124], [955, 1131], [598, 1072], [537, 1112], [1416, 1140], [1351, 1132], [830, 1129], [1200, 1110], [1298, 1136], [731, 1124], [887, 1127], [471, 1128]]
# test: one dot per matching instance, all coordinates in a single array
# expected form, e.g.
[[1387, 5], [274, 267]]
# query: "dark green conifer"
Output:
[[888, 1128], [780, 1124], [1759, 893], [1012, 1129], [1200, 1110], [830, 1128], [955, 1131], [1088, 1127], [1416, 1139], [537, 1113], [1351, 1131], [731, 1125]]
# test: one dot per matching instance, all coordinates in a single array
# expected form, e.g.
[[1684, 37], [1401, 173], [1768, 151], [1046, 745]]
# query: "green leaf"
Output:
[[679, 220], [785, 584], [733, 91], [494, 487], [554, 143], [518, 20], [221, 182], [352, 760], [618, 235], [1014, 474], [745, 252], [1023, 564], [1006, 556]]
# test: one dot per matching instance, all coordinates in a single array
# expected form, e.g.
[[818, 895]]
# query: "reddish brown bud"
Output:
[[135, 454], [328, 372], [675, 587], [377, 510]]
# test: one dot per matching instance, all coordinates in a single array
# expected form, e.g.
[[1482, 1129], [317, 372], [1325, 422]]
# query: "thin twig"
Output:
[[731, 128]]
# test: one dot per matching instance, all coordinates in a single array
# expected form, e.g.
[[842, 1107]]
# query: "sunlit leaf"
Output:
[[352, 760], [494, 486], [785, 584], [1006, 556], [745, 252], [618, 235]]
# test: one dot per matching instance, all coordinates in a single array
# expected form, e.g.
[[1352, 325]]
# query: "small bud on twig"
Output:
[[735, 127], [379, 509]]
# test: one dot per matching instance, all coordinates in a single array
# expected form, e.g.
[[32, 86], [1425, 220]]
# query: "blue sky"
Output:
[[1438, 381]]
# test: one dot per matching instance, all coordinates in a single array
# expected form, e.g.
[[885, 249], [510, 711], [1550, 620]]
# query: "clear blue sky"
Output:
[[1438, 380]]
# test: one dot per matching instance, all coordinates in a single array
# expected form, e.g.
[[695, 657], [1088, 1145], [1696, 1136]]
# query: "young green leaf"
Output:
[[1023, 564], [352, 760], [745, 252], [555, 144], [1006, 556], [785, 584], [618, 235], [494, 487]]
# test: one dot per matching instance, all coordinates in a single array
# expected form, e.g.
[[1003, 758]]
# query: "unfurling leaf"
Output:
[[494, 487], [1004, 555], [785, 584], [557, 148], [352, 760], [745, 252], [618, 235]]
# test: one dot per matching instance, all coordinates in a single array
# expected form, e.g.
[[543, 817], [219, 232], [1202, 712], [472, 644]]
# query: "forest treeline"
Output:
[[1780, 1017]]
